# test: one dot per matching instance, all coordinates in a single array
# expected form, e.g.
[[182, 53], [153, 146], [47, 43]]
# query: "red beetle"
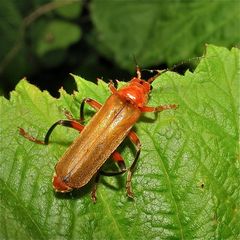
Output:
[[100, 138]]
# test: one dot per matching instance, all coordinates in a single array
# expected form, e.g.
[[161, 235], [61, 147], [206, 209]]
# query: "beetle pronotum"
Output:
[[100, 138]]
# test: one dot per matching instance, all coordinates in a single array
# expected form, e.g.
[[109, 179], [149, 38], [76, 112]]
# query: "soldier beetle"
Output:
[[100, 138]]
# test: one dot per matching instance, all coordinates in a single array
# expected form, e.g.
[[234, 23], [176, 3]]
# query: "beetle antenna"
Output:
[[159, 72], [134, 59], [185, 62], [138, 70]]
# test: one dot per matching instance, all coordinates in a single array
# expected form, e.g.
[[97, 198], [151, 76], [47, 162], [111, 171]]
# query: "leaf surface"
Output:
[[186, 183]]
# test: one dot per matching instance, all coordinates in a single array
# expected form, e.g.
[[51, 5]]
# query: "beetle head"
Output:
[[136, 92], [59, 185], [140, 83]]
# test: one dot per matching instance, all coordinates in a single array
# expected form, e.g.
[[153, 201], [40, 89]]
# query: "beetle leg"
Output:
[[112, 88], [94, 189], [69, 115], [158, 109], [29, 137], [135, 140], [93, 103], [67, 123], [117, 157]]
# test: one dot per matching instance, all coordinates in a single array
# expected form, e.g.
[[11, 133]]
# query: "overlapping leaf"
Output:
[[159, 31]]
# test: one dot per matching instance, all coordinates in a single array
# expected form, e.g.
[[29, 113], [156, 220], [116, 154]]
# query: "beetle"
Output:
[[99, 139]]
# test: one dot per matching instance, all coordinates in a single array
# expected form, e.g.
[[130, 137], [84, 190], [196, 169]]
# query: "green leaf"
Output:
[[57, 35], [70, 11], [159, 31], [186, 184]]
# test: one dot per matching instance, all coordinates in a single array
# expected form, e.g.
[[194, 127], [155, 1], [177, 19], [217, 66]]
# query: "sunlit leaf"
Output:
[[187, 182]]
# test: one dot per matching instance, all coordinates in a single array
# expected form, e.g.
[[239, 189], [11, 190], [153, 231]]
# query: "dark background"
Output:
[[44, 41]]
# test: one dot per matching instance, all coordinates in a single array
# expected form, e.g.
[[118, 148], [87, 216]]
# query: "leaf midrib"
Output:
[[163, 167], [109, 212]]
